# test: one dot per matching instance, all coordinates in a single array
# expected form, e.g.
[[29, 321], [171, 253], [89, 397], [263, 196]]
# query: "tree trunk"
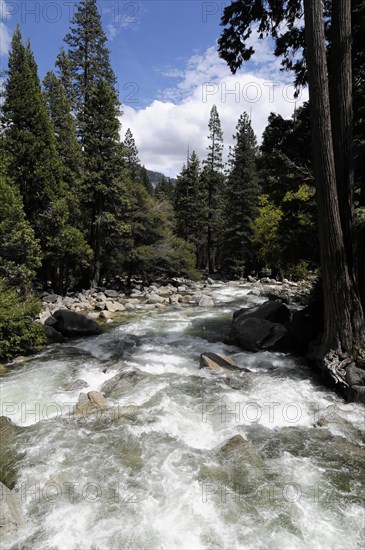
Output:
[[343, 316], [342, 119]]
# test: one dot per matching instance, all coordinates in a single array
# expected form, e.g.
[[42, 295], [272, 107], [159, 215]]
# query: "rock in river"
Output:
[[70, 323]]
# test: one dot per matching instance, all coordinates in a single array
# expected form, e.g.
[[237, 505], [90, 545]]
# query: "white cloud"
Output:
[[164, 129]]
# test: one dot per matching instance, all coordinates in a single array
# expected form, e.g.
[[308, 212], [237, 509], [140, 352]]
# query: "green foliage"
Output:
[[241, 198], [187, 202], [266, 232], [19, 334], [299, 271], [34, 155], [212, 195], [20, 254], [151, 249]]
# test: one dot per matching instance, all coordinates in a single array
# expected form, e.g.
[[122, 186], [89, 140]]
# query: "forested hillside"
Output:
[[79, 209]]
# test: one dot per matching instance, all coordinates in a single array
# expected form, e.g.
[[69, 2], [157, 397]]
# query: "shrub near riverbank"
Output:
[[19, 334]]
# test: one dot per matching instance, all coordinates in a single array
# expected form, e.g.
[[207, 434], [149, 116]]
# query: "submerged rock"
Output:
[[237, 442], [78, 384], [11, 513], [218, 363], [205, 301], [120, 383], [91, 403]]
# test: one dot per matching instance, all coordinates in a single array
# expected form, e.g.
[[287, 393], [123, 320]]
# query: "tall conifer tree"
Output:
[[241, 197]]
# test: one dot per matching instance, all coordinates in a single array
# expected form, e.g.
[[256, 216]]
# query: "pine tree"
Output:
[[34, 163], [242, 190], [104, 176], [64, 69], [212, 181], [164, 189], [187, 201], [98, 110], [131, 155], [145, 180], [89, 58], [20, 253], [68, 148]]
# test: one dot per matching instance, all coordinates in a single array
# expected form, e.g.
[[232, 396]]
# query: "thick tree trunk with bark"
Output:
[[343, 315], [342, 118]]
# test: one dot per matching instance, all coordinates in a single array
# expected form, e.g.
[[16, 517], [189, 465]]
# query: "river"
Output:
[[157, 477]]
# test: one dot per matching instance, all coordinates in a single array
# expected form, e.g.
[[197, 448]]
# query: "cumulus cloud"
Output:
[[179, 118]]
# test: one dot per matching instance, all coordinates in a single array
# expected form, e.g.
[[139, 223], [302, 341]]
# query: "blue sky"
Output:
[[169, 75]]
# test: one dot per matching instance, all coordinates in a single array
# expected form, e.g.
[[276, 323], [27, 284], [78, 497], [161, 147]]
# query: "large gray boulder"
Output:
[[11, 513], [70, 323], [254, 334], [276, 312]]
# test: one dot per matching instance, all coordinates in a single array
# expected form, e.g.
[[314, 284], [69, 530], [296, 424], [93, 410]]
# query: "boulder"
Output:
[[93, 315], [187, 299], [254, 292], [78, 384], [7, 428], [106, 315], [114, 306], [53, 336], [50, 321], [254, 334], [218, 363], [174, 299], [11, 513], [355, 376], [235, 443], [155, 299], [68, 302], [205, 301], [86, 306], [120, 383], [90, 403], [275, 312], [70, 323], [51, 298], [111, 293]]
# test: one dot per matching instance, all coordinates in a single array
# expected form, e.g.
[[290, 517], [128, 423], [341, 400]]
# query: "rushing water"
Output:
[[156, 478]]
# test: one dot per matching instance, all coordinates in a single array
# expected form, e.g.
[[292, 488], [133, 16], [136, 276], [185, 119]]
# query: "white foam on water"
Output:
[[157, 458]]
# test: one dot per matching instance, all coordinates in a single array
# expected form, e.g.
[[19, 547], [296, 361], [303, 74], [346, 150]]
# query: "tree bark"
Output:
[[342, 118], [343, 315]]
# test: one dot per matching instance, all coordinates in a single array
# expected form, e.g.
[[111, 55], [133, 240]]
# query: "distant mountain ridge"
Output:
[[156, 177]]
